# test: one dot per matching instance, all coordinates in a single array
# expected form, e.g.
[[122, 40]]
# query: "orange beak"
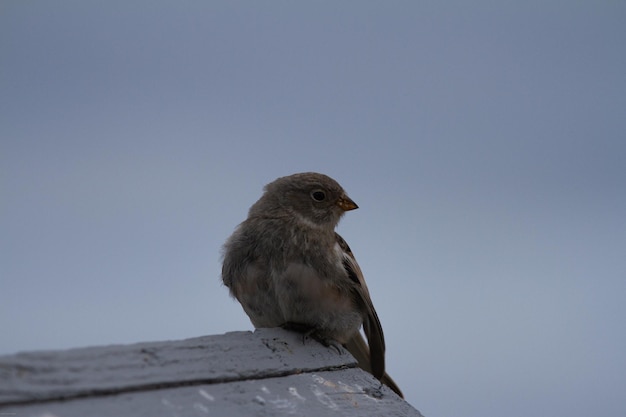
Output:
[[346, 204]]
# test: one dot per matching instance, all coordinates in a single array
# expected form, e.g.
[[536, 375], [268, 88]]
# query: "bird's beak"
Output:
[[346, 204]]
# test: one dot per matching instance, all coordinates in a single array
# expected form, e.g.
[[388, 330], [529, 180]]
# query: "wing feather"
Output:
[[371, 324]]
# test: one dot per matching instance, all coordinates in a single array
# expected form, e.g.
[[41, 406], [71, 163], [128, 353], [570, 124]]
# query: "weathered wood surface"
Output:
[[268, 372]]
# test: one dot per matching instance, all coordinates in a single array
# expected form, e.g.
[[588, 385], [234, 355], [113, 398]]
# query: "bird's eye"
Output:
[[318, 195]]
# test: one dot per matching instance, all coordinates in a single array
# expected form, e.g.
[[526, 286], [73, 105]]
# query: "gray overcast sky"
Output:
[[485, 143]]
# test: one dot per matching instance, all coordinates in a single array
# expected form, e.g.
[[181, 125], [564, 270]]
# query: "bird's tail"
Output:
[[358, 348]]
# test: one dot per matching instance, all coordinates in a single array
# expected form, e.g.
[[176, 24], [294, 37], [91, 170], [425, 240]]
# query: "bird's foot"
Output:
[[311, 332]]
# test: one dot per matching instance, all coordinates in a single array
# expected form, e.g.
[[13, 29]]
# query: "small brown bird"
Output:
[[289, 268]]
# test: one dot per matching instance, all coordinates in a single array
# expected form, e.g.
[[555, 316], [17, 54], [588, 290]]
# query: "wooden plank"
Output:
[[95, 371], [340, 392]]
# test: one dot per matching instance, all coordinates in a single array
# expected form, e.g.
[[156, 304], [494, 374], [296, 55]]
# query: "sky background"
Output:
[[485, 143]]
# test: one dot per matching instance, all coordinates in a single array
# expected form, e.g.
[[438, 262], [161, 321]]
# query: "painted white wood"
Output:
[[268, 372]]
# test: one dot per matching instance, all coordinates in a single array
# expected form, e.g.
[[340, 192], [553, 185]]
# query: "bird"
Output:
[[289, 268]]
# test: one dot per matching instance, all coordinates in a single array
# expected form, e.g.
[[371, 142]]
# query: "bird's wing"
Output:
[[371, 323]]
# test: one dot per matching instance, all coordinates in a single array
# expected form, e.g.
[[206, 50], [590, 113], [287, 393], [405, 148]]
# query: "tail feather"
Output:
[[358, 348]]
